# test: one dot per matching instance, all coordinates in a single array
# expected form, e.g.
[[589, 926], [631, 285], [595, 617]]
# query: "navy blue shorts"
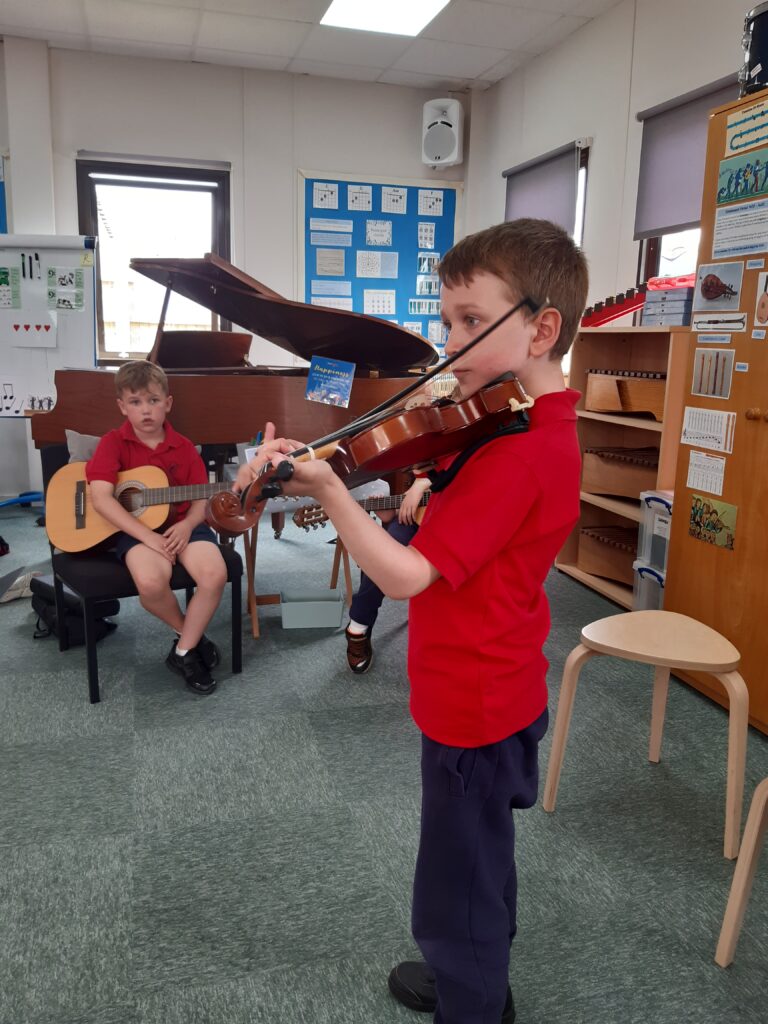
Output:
[[124, 542]]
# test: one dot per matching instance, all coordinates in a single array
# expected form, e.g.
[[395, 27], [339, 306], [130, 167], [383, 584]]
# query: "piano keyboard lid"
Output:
[[297, 327]]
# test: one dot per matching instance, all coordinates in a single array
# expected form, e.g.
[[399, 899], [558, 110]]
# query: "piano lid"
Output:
[[297, 327]]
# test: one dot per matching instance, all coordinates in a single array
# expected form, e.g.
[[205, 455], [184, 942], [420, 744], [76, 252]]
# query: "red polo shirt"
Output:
[[176, 455], [475, 659]]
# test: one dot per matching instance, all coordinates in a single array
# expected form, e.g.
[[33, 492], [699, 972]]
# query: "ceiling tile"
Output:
[[484, 24], [551, 6], [594, 8], [140, 48], [505, 66], [416, 81], [347, 46], [432, 57], [290, 10], [234, 58], [56, 15], [117, 19], [562, 28], [318, 67], [246, 35]]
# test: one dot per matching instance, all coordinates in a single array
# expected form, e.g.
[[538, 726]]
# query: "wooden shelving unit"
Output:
[[657, 349]]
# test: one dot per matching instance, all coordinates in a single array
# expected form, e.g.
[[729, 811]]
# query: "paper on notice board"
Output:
[[431, 202], [378, 302], [378, 232], [708, 428], [376, 264], [331, 287], [330, 262], [426, 234], [325, 195], [329, 224], [394, 199], [332, 302], [329, 238], [360, 197], [706, 472]]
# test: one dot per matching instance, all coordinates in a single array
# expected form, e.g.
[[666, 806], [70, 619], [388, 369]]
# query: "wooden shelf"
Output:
[[629, 329], [608, 588], [636, 422], [621, 506]]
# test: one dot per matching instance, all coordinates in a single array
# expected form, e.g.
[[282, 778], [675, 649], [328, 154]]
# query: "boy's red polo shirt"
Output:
[[178, 458], [475, 660]]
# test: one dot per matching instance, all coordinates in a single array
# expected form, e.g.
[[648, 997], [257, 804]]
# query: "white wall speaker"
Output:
[[442, 132]]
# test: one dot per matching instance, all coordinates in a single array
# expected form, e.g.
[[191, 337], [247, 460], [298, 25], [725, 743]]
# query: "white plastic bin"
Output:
[[655, 523], [648, 590], [312, 609]]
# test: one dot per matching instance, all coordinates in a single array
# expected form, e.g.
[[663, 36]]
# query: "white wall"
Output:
[[267, 125], [636, 55]]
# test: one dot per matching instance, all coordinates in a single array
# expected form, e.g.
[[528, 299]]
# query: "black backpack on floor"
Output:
[[44, 606]]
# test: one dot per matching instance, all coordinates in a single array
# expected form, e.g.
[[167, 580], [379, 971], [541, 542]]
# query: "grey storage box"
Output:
[[312, 609]]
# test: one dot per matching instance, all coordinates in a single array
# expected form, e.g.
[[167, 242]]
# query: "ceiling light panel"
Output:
[[398, 17]]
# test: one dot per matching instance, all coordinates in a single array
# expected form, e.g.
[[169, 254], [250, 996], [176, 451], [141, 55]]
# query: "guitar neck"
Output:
[[171, 495], [389, 502]]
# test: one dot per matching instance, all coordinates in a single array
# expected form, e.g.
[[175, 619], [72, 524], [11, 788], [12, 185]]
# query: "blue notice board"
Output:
[[374, 248]]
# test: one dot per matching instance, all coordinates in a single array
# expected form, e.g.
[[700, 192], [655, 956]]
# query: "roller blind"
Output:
[[545, 187], [672, 161]]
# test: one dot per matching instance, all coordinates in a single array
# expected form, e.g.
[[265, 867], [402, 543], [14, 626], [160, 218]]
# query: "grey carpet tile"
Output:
[[381, 749], [351, 990], [118, 1013], [75, 788], [51, 704], [202, 773], [279, 891], [66, 935]]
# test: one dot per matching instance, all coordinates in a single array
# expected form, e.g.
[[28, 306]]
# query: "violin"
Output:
[[403, 438], [388, 438]]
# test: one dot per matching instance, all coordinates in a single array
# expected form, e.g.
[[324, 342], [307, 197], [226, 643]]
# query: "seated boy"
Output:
[[146, 438]]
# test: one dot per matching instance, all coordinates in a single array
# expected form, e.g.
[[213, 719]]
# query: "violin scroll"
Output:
[[227, 513]]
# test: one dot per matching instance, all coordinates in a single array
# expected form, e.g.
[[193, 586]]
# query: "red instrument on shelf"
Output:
[[614, 306]]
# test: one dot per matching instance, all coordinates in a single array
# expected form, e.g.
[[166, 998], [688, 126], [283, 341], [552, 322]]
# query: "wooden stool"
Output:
[[668, 641], [743, 876]]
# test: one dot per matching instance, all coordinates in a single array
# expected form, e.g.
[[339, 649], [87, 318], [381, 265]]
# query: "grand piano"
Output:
[[218, 399]]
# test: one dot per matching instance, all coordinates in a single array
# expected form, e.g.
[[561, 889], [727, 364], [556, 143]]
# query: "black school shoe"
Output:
[[190, 666], [413, 984], [209, 652]]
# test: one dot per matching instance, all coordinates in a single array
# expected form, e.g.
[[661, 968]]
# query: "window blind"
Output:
[[545, 187], [672, 161]]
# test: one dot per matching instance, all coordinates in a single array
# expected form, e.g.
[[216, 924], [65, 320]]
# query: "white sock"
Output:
[[180, 652], [356, 628]]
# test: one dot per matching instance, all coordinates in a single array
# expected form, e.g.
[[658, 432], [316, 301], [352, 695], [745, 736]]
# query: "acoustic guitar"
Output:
[[311, 516], [73, 524]]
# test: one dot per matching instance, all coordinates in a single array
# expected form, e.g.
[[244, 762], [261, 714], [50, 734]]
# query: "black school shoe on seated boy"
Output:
[[191, 668], [413, 984], [209, 652]]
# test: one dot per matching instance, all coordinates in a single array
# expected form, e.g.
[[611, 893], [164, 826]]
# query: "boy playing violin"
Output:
[[147, 438], [478, 615]]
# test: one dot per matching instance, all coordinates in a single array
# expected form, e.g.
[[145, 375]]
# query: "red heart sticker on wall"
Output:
[[38, 327], [47, 327], [16, 327], [27, 326]]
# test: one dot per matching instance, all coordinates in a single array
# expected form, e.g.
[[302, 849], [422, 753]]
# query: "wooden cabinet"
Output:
[[623, 453], [716, 578]]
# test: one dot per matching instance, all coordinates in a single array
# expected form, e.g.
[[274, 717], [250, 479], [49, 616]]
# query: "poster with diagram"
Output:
[[377, 244]]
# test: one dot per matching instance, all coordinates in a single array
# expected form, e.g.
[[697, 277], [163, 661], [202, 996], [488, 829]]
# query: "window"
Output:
[[671, 179], [148, 211], [553, 186]]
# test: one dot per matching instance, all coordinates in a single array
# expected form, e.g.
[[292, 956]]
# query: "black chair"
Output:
[[97, 576]]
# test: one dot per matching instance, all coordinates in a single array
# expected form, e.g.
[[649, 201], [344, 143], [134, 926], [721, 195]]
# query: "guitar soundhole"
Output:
[[129, 494]]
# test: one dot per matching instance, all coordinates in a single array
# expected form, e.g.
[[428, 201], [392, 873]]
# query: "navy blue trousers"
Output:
[[367, 601], [465, 887]]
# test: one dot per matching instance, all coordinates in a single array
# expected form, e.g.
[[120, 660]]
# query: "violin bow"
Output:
[[370, 418]]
